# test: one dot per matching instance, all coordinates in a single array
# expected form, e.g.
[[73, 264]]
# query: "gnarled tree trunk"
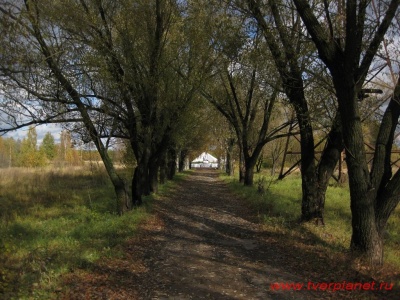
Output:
[[365, 237], [329, 159], [229, 152]]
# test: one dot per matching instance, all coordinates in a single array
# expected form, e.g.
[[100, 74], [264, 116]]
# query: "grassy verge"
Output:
[[279, 208], [54, 222]]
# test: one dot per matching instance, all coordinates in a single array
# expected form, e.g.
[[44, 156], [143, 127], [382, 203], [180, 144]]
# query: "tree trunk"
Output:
[[375, 194], [228, 166], [182, 157], [154, 166], [365, 238], [137, 185], [259, 163], [386, 203], [163, 168], [280, 177], [171, 164], [242, 166], [123, 199], [140, 180], [309, 206], [229, 150], [124, 202], [366, 242], [329, 159], [381, 171], [249, 173]]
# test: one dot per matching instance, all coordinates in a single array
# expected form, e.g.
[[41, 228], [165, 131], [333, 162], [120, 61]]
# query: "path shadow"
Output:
[[203, 214]]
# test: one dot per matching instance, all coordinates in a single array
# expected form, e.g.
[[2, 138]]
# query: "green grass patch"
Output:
[[53, 222], [279, 207]]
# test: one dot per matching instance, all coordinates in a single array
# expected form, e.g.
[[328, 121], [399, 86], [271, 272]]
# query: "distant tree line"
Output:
[[30, 154]]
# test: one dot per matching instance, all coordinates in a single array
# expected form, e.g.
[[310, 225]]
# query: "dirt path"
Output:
[[212, 247], [204, 243]]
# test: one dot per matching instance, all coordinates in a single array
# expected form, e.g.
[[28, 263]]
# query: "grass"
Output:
[[279, 208], [57, 221], [54, 222]]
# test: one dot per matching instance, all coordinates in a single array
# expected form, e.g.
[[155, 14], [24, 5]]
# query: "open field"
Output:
[[54, 221], [279, 209]]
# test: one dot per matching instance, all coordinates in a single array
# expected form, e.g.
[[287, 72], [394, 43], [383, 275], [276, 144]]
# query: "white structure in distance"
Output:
[[204, 160]]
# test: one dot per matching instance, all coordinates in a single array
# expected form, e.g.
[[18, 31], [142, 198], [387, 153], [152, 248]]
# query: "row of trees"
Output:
[[27, 152], [141, 71], [346, 51]]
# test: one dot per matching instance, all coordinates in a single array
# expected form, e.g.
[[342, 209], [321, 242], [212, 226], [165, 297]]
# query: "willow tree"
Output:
[[348, 49], [113, 68], [243, 87], [40, 65], [292, 53]]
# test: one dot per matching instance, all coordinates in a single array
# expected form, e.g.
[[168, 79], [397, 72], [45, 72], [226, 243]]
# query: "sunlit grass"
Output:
[[279, 207], [55, 221]]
